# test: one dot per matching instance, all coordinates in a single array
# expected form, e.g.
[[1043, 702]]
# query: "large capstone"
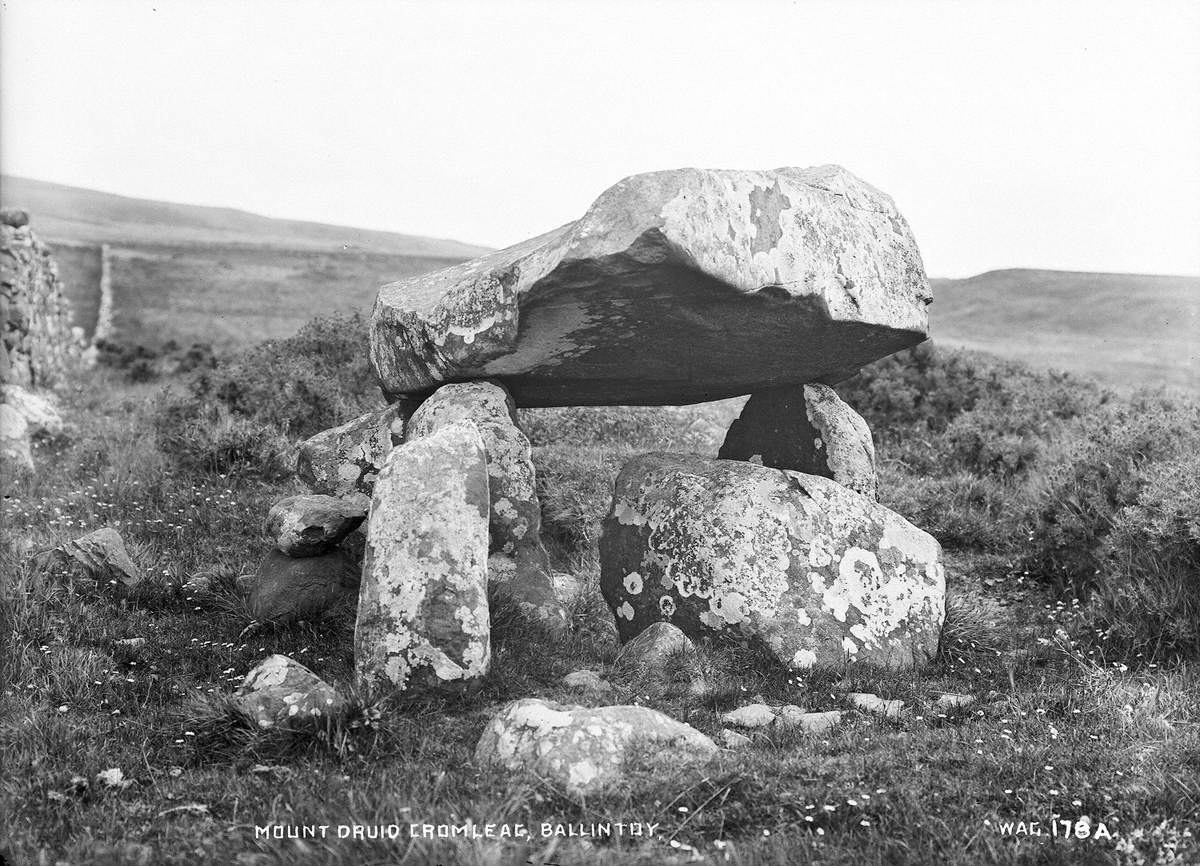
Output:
[[814, 572], [423, 606], [344, 461], [519, 565], [809, 429], [584, 749], [674, 287]]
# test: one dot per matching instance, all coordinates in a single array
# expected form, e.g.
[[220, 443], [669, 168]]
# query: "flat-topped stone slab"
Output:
[[674, 287]]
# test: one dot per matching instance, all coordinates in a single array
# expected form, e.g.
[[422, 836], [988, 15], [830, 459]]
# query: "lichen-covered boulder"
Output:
[[100, 556], [311, 525], [816, 573], [344, 461], [674, 287], [809, 429], [423, 606], [281, 692], [288, 588], [584, 749], [520, 566]]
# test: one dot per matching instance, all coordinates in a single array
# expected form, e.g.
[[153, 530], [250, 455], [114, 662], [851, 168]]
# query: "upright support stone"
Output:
[[423, 606], [519, 564], [807, 429]]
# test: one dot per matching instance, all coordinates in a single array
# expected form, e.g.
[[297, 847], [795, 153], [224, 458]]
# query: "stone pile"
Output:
[[674, 287], [36, 344], [37, 341]]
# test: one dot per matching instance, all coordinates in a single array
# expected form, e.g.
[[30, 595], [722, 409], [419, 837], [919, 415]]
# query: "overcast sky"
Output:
[[1046, 134]]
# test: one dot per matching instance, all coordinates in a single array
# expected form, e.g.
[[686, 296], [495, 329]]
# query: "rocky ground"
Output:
[[121, 745]]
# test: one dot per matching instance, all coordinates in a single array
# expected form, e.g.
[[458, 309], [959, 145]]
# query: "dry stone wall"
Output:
[[37, 338]]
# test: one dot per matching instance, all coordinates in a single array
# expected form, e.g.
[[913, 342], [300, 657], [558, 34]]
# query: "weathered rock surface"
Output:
[[423, 607], [953, 701], [733, 740], [812, 723], [654, 649], [38, 410], [281, 692], [515, 516], [809, 429], [583, 749], [816, 573], [287, 588], [750, 716], [872, 703], [674, 287], [101, 556], [344, 461], [16, 457], [311, 525], [587, 681]]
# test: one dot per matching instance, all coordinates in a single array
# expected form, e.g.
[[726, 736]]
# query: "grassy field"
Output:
[[1130, 330], [1067, 726]]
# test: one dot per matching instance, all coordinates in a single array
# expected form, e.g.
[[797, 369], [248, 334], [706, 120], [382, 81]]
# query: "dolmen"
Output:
[[674, 287]]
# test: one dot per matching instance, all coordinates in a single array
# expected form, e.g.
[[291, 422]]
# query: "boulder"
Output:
[[733, 740], [344, 461], [423, 607], [814, 572], [312, 525], [809, 429], [584, 749], [674, 287], [16, 457], [520, 566], [38, 410], [286, 588], [654, 649], [812, 723], [954, 701], [281, 692], [101, 556]]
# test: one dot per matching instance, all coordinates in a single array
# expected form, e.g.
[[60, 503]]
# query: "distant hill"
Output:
[[1124, 329], [68, 213], [201, 274]]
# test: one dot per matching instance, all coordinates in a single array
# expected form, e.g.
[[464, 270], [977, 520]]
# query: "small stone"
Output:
[[131, 642], [655, 649], [818, 723], [281, 692], [101, 556], [791, 716], [198, 584], [313, 524], [584, 749], [586, 681], [287, 589], [950, 700], [875, 704], [733, 740], [568, 589], [750, 716]]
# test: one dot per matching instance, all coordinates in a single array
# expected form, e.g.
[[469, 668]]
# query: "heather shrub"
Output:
[[203, 436], [1147, 597], [317, 379], [1104, 468]]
